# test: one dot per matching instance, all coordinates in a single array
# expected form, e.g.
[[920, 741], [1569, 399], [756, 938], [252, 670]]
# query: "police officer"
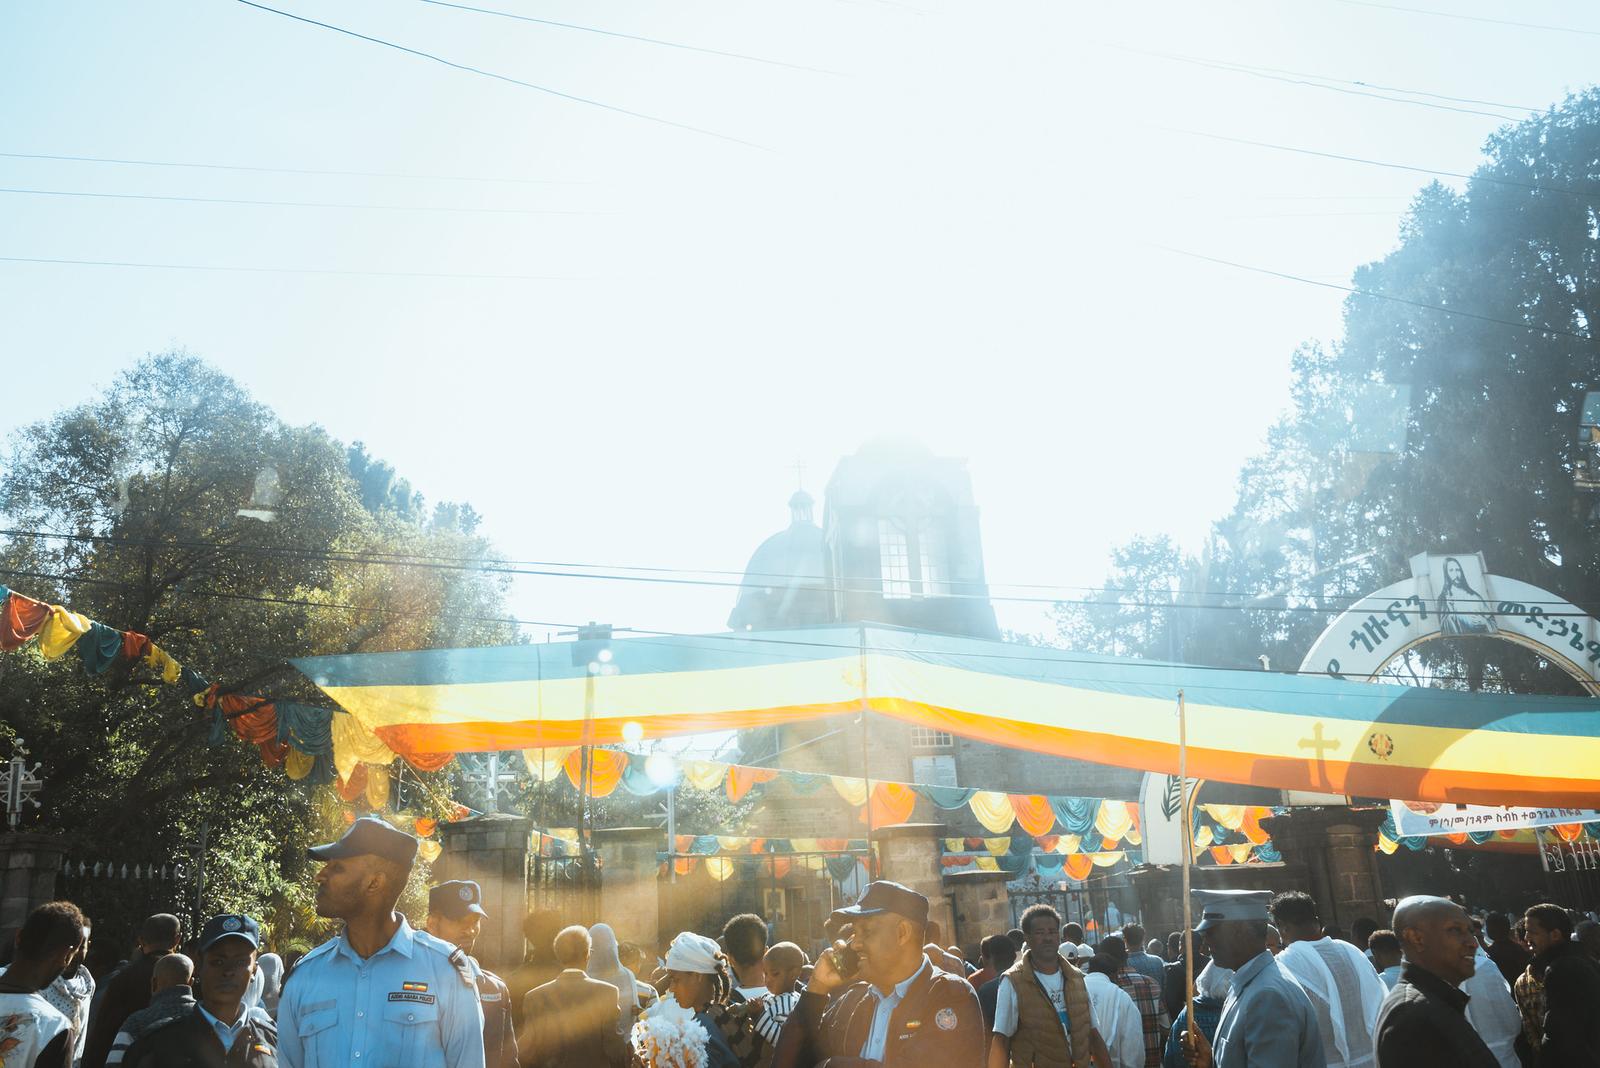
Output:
[[455, 914], [220, 1031], [380, 993]]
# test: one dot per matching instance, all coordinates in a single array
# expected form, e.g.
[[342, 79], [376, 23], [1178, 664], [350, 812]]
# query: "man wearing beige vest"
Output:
[[1042, 1017]]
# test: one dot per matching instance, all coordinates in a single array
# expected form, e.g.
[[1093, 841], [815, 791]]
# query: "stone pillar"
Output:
[[29, 864], [908, 854], [1160, 888], [982, 905], [629, 894], [492, 851], [1338, 849]]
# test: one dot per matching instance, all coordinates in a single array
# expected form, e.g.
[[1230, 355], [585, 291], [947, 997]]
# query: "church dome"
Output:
[[785, 582]]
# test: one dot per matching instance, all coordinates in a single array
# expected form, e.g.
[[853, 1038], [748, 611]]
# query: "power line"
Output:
[[626, 36], [1471, 18], [1377, 296], [675, 576], [292, 270], [296, 203], [1038, 653], [1586, 194], [289, 170], [617, 109], [1344, 85]]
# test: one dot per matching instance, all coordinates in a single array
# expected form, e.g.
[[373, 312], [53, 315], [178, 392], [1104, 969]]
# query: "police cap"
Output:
[[369, 836]]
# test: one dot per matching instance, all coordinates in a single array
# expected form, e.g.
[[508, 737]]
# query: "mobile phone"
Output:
[[846, 961]]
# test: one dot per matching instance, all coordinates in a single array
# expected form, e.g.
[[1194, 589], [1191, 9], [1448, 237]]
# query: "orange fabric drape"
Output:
[[683, 865], [1251, 827], [781, 866], [1033, 812], [741, 780], [1048, 842], [429, 761], [1222, 854], [1078, 866], [892, 803], [22, 618], [1569, 832], [605, 770], [355, 785], [425, 826]]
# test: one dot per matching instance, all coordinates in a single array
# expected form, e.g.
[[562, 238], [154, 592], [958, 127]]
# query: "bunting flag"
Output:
[[854, 791], [544, 765], [892, 803], [1277, 730], [605, 770], [993, 810], [742, 779], [1033, 812]]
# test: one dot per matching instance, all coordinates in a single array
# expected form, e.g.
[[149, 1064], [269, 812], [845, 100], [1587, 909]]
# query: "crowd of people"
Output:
[[1268, 986]]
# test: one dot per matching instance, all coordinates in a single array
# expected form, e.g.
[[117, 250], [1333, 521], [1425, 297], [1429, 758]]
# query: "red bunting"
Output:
[[355, 786], [429, 761], [134, 645], [20, 619]]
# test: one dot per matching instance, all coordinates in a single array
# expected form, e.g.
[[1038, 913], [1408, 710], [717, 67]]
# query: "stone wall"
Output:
[[908, 853], [492, 851], [629, 885], [982, 906], [29, 864]]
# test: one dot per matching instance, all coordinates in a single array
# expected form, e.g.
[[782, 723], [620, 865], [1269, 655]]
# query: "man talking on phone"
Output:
[[896, 1008]]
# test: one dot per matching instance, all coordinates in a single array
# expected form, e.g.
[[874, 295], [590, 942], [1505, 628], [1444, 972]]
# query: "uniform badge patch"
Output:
[[231, 924], [945, 1019], [405, 995], [466, 893], [419, 987]]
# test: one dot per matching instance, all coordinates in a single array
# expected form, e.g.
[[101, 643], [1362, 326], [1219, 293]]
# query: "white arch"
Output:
[[1382, 626]]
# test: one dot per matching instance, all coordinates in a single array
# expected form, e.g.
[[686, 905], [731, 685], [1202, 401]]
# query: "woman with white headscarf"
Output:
[[700, 983], [605, 966], [1210, 992]]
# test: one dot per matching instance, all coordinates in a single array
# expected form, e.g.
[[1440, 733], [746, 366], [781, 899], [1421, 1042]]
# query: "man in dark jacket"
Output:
[[129, 990], [1509, 955], [455, 914], [897, 1010], [220, 1031], [171, 997], [1423, 1021], [572, 1020], [1571, 1036]]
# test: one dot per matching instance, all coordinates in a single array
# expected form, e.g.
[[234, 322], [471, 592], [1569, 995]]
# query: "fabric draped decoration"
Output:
[[1229, 816], [854, 791], [841, 867], [741, 780], [804, 783], [719, 868], [21, 618], [704, 774], [61, 632], [947, 798], [354, 745], [1033, 812], [605, 770], [892, 803], [1078, 866], [1114, 819], [1075, 814], [636, 778], [354, 785], [99, 648], [544, 765], [993, 810]]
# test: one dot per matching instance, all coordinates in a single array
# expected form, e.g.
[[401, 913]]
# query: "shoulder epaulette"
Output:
[[458, 960]]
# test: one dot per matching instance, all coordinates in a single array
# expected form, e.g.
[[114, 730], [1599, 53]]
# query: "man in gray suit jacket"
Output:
[[1267, 1021]]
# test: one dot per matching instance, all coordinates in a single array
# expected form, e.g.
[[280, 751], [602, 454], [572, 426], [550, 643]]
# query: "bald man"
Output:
[[171, 996], [1423, 1022]]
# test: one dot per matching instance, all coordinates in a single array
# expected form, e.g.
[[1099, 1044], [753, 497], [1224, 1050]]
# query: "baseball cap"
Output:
[[456, 898], [230, 925], [369, 836], [1220, 906], [884, 896]]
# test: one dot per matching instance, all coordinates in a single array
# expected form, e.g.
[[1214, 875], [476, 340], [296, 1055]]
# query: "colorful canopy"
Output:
[[1285, 731]]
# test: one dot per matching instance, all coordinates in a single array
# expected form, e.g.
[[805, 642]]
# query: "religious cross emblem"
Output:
[[20, 784], [488, 780], [1317, 743]]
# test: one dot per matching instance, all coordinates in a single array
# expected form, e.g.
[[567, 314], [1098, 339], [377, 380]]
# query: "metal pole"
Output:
[[672, 833], [1188, 845], [866, 779], [200, 873], [586, 782]]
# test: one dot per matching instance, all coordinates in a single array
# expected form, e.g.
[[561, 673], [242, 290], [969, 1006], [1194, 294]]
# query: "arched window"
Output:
[[913, 557]]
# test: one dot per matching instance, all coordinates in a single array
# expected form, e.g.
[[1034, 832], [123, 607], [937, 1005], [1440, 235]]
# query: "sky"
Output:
[[616, 305]]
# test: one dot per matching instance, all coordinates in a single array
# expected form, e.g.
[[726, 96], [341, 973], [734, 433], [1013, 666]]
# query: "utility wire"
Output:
[[1586, 194], [676, 577], [293, 270], [289, 170], [590, 101], [1039, 653], [1367, 293], [626, 36], [1344, 85], [1471, 18], [296, 203]]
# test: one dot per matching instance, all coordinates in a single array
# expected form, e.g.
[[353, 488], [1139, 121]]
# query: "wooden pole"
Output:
[[1188, 846]]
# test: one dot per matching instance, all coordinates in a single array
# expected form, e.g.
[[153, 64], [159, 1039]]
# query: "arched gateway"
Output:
[[1454, 596]]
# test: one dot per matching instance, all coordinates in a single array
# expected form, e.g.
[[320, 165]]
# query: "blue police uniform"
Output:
[[412, 1004], [1267, 1021]]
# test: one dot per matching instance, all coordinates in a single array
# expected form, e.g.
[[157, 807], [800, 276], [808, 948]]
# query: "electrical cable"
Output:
[[297, 203], [626, 36], [1552, 330], [233, 268], [1471, 18], [290, 170], [590, 101]]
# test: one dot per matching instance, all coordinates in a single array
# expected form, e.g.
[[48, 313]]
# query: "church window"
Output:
[[894, 559], [929, 738]]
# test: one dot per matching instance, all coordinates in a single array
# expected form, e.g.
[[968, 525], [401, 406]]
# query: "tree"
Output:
[[1444, 419], [176, 506]]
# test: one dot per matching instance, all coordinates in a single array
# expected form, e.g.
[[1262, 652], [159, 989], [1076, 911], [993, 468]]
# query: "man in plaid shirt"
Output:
[[1146, 995]]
